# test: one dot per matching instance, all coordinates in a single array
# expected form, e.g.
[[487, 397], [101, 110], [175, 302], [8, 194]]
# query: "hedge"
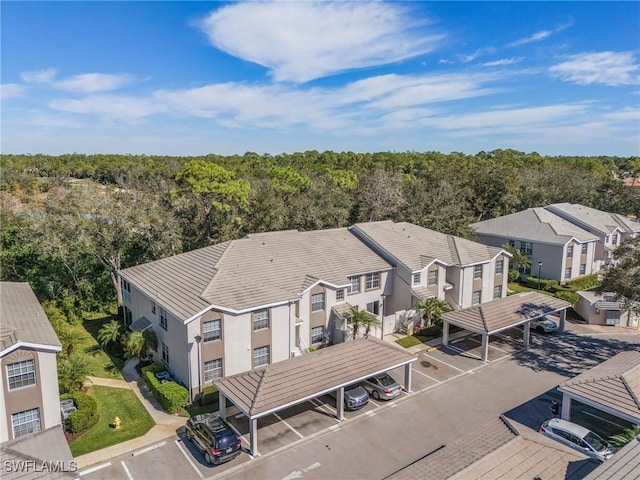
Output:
[[171, 396], [547, 285], [514, 275], [571, 297], [209, 396], [86, 415], [583, 283]]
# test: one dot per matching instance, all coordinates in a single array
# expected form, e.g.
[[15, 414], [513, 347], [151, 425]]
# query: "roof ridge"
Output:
[[484, 321], [628, 387], [263, 373], [215, 268], [453, 248]]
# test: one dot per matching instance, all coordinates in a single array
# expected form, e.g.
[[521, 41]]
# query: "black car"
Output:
[[213, 437]]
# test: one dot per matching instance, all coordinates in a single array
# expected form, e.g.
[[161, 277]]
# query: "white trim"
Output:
[[600, 406], [36, 346]]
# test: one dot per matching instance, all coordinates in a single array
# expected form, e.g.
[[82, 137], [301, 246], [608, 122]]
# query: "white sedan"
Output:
[[544, 325]]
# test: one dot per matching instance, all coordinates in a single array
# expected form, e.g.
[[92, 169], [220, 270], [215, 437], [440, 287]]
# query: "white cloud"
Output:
[[606, 68], [503, 61], [93, 82], [39, 76], [11, 90], [302, 41], [108, 106], [536, 37]]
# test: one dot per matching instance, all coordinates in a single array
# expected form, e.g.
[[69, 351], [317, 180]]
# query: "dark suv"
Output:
[[213, 437]]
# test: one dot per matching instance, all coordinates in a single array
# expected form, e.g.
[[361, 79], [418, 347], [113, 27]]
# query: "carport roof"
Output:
[[504, 313], [265, 390], [615, 383]]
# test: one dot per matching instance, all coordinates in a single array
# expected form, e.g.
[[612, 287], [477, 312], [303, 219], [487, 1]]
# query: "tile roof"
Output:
[[264, 390], [260, 269], [604, 222], [416, 246], [22, 318], [506, 312], [614, 383], [624, 465], [534, 224]]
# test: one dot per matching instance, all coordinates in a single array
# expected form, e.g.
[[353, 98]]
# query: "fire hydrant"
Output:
[[116, 423]]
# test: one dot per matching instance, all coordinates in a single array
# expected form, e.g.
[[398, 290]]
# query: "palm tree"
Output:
[[432, 309], [137, 344], [70, 338], [625, 437], [109, 333], [519, 259], [359, 318], [72, 373]]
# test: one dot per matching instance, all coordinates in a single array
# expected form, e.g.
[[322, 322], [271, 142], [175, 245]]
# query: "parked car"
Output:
[[544, 325], [382, 386], [213, 437], [578, 437], [355, 396]]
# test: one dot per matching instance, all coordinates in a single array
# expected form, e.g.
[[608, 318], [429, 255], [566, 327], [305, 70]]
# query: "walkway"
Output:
[[166, 425]]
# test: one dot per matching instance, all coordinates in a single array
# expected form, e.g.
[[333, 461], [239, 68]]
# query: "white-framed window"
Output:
[[317, 302], [584, 248], [499, 267], [497, 292], [432, 278], [163, 318], [153, 307], [477, 271], [525, 270], [261, 319], [372, 280], [340, 295], [567, 272], [261, 356], [583, 268], [126, 291], [476, 297], [373, 307], [354, 286], [25, 422], [212, 330], [526, 247], [570, 251], [614, 239], [21, 374], [417, 278], [612, 317], [165, 353], [317, 334], [213, 370]]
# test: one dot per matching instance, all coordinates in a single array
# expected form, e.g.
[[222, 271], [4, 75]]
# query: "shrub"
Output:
[[171, 396], [209, 395], [571, 297], [583, 283], [513, 275], [86, 415], [547, 285]]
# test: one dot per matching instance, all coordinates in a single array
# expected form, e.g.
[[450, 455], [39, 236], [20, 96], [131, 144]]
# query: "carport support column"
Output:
[[485, 347], [340, 404], [253, 436], [445, 333], [222, 405], [526, 334], [566, 407], [563, 317], [407, 378]]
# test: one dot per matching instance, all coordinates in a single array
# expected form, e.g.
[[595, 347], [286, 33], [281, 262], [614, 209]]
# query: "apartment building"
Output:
[[231, 307]]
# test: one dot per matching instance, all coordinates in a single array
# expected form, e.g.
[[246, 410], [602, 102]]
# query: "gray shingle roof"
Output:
[[614, 383], [605, 222], [505, 312], [534, 224], [416, 246], [284, 383], [624, 465], [22, 318], [259, 269]]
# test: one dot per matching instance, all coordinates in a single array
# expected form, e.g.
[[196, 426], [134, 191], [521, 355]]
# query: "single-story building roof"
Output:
[[504, 313], [613, 386]]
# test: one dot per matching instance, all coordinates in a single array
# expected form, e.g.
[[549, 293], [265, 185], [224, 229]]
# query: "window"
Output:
[[584, 248], [163, 318], [614, 239], [21, 374], [340, 295], [432, 279], [317, 334], [213, 370], [153, 307], [372, 280], [126, 291], [317, 302], [417, 278], [165, 353], [526, 248], [567, 272], [260, 356], [570, 251], [612, 317], [477, 271], [212, 330], [128, 317], [583, 268], [499, 267], [355, 285], [497, 292], [261, 319], [525, 270], [25, 422], [512, 243], [373, 307], [475, 298]]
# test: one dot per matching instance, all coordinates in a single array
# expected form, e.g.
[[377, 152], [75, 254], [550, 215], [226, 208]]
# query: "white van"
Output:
[[578, 437]]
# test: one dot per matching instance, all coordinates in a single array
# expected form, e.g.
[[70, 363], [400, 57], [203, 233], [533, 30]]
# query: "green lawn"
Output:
[[101, 363], [411, 341], [514, 287], [113, 402]]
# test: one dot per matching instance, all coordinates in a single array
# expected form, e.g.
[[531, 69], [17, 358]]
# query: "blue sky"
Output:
[[191, 78]]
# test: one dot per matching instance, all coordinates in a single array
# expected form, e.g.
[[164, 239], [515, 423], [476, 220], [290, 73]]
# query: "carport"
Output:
[[502, 314], [612, 387], [258, 393]]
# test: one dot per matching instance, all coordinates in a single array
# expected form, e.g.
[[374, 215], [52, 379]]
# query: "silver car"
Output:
[[578, 437], [382, 386], [355, 397], [544, 325]]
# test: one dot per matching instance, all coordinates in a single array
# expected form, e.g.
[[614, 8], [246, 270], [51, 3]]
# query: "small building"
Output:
[[605, 309]]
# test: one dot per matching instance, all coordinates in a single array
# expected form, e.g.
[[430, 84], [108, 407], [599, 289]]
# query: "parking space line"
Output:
[[178, 442], [425, 375], [465, 352], [499, 349], [126, 470], [323, 406], [283, 421], [94, 469], [148, 449], [441, 361]]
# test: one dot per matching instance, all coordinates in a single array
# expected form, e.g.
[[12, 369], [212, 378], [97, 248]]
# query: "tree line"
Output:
[[69, 222]]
